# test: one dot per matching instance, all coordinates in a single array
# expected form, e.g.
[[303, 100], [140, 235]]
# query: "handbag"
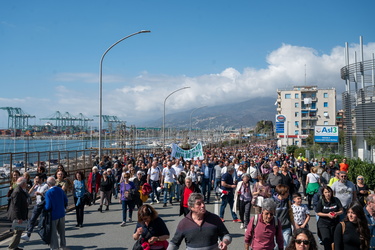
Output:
[[259, 201], [138, 244], [19, 226], [87, 199], [129, 194]]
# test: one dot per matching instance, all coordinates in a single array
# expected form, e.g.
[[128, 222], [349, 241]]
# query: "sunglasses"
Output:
[[360, 179], [305, 242]]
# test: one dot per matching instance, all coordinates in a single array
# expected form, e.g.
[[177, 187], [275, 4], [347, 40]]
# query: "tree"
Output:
[[291, 149], [370, 138], [310, 140]]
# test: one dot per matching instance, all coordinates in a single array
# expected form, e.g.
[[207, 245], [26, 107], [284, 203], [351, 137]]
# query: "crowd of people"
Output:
[[249, 178]]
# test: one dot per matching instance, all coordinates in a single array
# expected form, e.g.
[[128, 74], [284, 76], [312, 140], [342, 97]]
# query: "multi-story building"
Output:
[[305, 107], [340, 119]]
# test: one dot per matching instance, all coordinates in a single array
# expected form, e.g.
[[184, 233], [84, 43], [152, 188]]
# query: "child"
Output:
[[300, 212]]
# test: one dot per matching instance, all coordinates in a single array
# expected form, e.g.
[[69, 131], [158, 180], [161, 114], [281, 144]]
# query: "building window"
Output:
[[325, 104], [296, 132], [296, 96], [313, 105], [326, 114], [325, 122], [325, 95], [296, 123], [296, 105], [296, 143], [288, 96], [296, 114]]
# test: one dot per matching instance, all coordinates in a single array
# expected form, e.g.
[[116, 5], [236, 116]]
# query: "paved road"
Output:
[[103, 231]]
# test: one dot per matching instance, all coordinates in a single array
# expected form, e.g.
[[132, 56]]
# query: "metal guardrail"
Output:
[[29, 161], [73, 161]]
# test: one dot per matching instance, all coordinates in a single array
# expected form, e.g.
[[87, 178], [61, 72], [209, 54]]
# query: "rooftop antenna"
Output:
[[305, 74]]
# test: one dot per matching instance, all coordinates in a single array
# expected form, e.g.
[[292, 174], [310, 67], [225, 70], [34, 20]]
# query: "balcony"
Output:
[[310, 118]]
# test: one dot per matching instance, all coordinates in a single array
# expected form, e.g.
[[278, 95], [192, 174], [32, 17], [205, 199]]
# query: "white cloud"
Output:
[[142, 97]]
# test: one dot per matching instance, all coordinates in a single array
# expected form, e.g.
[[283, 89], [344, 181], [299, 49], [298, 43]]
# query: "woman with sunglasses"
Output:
[[126, 198], [106, 185], [302, 239], [362, 190], [353, 232]]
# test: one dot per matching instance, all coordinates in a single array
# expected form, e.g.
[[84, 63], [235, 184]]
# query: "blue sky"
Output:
[[226, 51]]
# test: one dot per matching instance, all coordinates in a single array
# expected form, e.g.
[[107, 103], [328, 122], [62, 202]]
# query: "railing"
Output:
[[353, 71], [76, 160]]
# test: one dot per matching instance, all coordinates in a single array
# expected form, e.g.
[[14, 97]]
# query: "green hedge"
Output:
[[356, 167], [359, 167]]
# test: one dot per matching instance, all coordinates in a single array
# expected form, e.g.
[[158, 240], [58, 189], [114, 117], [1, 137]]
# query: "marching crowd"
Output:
[[255, 178]]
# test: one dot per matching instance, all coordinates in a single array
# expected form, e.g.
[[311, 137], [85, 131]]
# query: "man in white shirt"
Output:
[[178, 168], [39, 188], [345, 191], [153, 178], [168, 180]]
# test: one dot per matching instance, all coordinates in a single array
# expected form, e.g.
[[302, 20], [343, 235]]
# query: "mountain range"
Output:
[[237, 115]]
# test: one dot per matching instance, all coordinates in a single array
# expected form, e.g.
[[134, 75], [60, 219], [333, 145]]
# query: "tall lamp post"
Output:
[[101, 88], [191, 115], [165, 100]]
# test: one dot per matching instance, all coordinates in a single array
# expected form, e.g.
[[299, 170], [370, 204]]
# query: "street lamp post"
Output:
[[164, 112], [191, 115], [101, 88]]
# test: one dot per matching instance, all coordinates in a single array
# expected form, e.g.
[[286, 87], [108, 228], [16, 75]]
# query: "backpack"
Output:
[[256, 219]]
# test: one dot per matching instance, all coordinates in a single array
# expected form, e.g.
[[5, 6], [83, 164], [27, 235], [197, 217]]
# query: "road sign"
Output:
[[280, 127], [326, 134]]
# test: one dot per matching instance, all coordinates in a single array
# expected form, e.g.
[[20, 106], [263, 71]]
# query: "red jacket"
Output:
[[97, 181]]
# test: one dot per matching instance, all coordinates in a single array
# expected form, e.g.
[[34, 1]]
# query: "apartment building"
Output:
[[304, 107]]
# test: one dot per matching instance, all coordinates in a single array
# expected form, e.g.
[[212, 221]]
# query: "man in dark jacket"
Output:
[[18, 210], [200, 228]]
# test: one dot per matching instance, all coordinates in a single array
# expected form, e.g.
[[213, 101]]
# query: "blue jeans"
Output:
[[245, 207], [206, 188], [287, 232], [229, 198], [125, 206], [177, 191], [168, 189], [154, 185], [38, 209], [115, 191]]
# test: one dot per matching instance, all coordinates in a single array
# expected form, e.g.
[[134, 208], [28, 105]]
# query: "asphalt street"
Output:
[[103, 230]]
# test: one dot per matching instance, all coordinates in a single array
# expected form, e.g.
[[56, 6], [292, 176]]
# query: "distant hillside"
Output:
[[237, 115]]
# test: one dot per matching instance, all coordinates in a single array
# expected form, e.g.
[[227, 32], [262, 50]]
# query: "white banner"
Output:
[[194, 153]]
